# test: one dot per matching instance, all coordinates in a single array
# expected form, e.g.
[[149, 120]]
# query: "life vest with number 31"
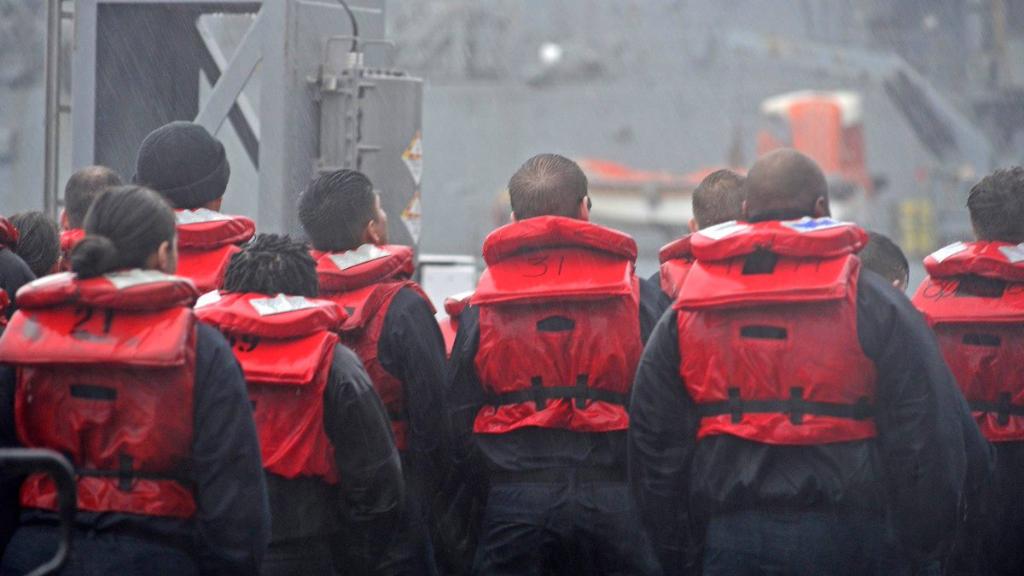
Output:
[[559, 327]]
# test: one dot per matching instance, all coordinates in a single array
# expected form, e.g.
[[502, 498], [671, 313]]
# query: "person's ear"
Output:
[[821, 207], [372, 233], [693, 225], [512, 217], [64, 220], [745, 212], [167, 258], [584, 209], [901, 284]]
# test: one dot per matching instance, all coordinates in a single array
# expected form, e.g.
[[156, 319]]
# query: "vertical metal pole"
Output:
[[51, 160]]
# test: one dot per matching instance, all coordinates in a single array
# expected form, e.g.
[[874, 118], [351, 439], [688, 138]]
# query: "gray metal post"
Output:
[[51, 159]]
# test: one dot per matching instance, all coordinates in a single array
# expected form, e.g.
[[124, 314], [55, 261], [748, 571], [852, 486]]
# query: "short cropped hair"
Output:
[[718, 198], [335, 209], [82, 188], [547, 185], [272, 264], [883, 257], [996, 205]]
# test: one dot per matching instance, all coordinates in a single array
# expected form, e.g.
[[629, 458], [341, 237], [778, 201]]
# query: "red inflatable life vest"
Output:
[[559, 327], [364, 282], [453, 307], [206, 242], [285, 345], [9, 235], [68, 240], [768, 333], [676, 258], [5, 301], [973, 299], [105, 371]]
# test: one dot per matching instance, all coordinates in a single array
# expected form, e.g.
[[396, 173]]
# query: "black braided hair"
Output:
[[273, 264]]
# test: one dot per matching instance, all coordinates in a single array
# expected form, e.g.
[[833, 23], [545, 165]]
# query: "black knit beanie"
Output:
[[184, 163]]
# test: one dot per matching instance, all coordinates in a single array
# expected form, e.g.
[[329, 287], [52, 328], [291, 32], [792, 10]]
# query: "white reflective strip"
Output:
[[361, 255], [211, 297], [198, 216], [943, 253], [461, 296], [1013, 253], [808, 224], [719, 231], [280, 304], [52, 279], [138, 277]]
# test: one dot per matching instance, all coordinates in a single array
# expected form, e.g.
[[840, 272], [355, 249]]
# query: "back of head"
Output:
[[184, 163], [124, 227], [785, 185], [718, 198], [82, 188], [883, 257], [38, 242], [335, 209], [547, 185], [996, 205], [272, 264]]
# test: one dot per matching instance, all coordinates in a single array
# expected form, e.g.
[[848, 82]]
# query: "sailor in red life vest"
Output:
[[790, 407], [883, 257], [189, 168], [973, 298], [333, 472], [81, 189], [453, 307], [391, 327], [542, 370], [718, 198], [108, 366]]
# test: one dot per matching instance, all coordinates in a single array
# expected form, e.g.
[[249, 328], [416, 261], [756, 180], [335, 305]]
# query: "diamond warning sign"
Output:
[[413, 158], [412, 217]]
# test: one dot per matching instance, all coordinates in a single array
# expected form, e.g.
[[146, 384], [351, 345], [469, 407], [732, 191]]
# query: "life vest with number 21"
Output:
[[105, 371]]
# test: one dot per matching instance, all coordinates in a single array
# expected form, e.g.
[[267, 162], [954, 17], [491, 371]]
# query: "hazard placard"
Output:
[[412, 217], [413, 158]]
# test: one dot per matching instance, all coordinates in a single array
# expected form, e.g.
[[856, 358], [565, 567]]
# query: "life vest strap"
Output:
[[1003, 408], [796, 406], [540, 394], [126, 475]]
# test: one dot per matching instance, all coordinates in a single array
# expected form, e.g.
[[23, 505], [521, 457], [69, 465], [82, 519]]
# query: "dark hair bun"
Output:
[[94, 255]]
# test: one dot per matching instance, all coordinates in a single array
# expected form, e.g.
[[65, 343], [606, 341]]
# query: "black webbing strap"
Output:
[[126, 476], [1003, 408], [795, 406], [540, 394]]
